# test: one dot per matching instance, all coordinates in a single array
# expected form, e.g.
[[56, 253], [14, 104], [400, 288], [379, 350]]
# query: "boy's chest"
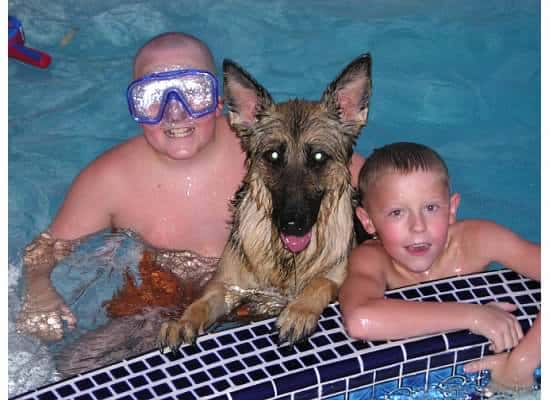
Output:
[[180, 217]]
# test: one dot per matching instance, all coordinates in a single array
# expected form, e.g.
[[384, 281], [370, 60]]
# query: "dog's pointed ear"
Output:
[[348, 95], [244, 96]]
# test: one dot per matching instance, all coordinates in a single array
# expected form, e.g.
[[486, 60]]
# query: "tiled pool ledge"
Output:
[[247, 363]]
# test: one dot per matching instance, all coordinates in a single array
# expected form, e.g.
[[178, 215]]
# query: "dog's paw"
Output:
[[173, 333], [296, 322]]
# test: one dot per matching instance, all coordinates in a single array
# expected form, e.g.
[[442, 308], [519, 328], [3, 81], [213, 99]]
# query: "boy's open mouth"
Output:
[[418, 248]]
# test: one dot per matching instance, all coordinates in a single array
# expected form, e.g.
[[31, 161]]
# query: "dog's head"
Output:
[[299, 149]]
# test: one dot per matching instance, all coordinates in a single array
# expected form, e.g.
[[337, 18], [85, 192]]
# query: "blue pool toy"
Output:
[[18, 50]]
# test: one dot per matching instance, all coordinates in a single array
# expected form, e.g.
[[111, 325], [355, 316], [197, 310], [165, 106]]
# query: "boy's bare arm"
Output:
[[43, 310], [365, 278], [368, 315], [491, 242], [391, 319], [85, 210], [518, 254], [88, 206], [514, 369]]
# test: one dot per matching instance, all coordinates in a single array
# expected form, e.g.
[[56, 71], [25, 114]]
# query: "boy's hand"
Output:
[[43, 312], [495, 322], [504, 372]]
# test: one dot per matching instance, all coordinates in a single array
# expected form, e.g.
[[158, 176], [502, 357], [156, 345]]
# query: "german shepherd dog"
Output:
[[292, 227]]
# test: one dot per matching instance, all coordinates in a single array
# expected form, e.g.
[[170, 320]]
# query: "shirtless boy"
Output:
[[407, 205], [171, 184]]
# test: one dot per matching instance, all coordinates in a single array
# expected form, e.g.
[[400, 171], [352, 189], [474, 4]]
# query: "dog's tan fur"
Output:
[[316, 140]]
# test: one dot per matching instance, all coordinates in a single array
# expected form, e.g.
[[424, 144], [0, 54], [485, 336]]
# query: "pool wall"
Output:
[[247, 362]]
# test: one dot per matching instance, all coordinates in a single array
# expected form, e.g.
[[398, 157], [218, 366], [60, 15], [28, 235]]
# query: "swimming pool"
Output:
[[461, 77], [248, 362]]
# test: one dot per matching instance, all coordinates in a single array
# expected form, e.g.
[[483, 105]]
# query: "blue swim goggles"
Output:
[[196, 90]]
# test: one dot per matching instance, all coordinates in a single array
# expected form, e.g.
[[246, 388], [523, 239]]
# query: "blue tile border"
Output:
[[246, 362]]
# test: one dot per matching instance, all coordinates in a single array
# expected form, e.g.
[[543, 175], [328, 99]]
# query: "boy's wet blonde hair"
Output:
[[403, 158]]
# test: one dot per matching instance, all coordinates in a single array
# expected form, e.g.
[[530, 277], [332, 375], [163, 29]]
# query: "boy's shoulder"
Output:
[[370, 252], [369, 245], [129, 151], [473, 243], [473, 228], [115, 163]]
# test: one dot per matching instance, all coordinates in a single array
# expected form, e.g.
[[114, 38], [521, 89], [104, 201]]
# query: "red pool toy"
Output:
[[18, 50]]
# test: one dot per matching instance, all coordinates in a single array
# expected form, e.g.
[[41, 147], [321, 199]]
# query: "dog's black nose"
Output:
[[293, 224]]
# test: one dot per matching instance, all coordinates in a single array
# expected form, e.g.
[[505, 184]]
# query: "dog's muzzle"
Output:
[[295, 231], [295, 212]]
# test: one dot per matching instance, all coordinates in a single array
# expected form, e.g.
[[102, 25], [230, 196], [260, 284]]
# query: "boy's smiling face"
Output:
[[181, 137], [410, 214]]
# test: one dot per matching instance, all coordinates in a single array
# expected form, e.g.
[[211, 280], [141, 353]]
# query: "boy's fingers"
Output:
[[498, 345], [473, 366], [504, 306], [511, 342], [478, 365], [510, 338], [519, 330], [515, 339], [518, 333], [514, 333]]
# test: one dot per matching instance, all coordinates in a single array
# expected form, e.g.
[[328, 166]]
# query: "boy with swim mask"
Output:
[[408, 207], [169, 185]]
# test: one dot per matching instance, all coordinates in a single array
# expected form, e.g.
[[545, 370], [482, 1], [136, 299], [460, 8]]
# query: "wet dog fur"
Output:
[[292, 228]]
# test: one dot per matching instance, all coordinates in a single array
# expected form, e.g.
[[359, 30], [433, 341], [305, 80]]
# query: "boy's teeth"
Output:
[[180, 132]]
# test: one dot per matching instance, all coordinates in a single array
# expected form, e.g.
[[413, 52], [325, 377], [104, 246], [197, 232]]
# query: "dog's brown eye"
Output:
[[274, 156]]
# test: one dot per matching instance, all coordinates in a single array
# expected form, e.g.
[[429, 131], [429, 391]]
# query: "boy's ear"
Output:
[[365, 220], [455, 202], [348, 95], [219, 108], [244, 96]]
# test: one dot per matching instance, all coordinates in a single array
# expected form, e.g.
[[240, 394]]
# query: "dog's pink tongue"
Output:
[[296, 243]]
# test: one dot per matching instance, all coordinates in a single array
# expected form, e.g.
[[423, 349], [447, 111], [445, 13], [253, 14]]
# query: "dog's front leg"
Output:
[[196, 318], [300, 316]]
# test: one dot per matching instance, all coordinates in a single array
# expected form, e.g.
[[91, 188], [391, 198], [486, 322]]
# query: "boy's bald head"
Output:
[[173, 48]]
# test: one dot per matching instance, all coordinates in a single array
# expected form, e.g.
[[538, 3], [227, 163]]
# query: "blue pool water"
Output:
[[462, 77]]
